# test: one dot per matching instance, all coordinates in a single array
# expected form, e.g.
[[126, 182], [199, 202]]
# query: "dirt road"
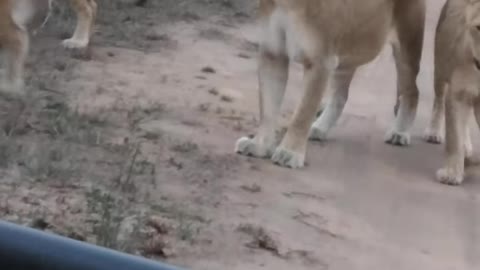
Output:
[[132, 148]]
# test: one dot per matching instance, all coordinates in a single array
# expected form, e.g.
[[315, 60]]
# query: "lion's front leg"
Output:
[[273, 76], [456, 116], [291, 152]]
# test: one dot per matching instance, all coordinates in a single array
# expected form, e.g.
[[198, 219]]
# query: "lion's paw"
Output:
[[433, 137], [75, 43], [449, 176], [287, 158], [250, 147], [398, 138]]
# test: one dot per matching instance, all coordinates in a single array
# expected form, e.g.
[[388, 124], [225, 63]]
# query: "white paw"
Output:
[[434, 137], [398, 138], [75, 43], [317, 134], [290, 159], [250, 147], [449, 176]]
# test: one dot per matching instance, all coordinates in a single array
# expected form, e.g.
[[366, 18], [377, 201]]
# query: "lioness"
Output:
[[331, 38], [457, 84], [19, 17]]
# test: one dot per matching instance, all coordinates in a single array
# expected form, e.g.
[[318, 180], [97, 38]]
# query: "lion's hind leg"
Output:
[[86, 11]]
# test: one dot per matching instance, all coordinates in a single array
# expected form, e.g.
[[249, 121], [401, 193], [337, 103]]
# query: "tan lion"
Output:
[[331, 38], [457, 85], [19, 17]]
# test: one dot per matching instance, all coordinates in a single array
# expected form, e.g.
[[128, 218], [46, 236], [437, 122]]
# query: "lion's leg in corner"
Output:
[[86, 11], [272, 76], [334, 108], [291, 152], [16, 50], [409, 16], [456, 116]]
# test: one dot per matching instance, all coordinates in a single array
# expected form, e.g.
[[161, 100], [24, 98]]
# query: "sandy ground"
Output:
[[130, 146]]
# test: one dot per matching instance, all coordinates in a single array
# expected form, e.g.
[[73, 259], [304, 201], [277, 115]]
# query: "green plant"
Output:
[[108, 211]]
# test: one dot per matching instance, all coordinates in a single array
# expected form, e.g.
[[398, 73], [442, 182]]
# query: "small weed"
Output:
[[254, 188], [44, 161], [75, 127], [126, 181], [179, 212], [186, 231], [261, 239], [107, 209], [188, 224], [135, 168], [186, 147]]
